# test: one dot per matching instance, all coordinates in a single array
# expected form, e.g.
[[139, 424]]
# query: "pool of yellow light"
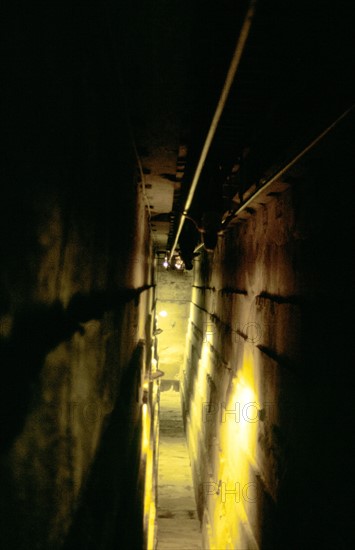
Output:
[[237, 454]]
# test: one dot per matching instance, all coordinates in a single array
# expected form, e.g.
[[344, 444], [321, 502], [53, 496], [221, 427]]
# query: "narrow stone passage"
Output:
[[178, 526]]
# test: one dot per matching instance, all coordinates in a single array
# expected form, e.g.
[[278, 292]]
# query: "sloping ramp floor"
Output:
[[178, 525]]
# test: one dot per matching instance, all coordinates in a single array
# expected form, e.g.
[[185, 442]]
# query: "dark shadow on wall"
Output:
[[37, 329], [110, 511]]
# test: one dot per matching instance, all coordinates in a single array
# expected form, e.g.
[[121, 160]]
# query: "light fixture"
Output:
[[165, 262], [178, 263], [163, 313]]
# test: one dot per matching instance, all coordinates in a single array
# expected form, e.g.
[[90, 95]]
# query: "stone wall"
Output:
[[75, 302], [72, 367], [265, 396]]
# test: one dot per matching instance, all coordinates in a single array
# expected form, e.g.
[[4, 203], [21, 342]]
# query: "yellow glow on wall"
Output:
[[232, 505], [231, 490], [149, 500], [146, 430], [148, 463], [149, 510], [201, 390], [151, 527], [195, 419]]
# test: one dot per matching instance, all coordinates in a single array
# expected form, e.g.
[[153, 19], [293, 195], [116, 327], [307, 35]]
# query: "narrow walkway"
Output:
[[178, 526]]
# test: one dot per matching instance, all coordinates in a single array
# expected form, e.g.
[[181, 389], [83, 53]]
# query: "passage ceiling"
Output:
[[293, 80]]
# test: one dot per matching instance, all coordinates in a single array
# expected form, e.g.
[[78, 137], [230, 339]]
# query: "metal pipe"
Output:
[[244, 33], [280, 172], [284, 169]]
